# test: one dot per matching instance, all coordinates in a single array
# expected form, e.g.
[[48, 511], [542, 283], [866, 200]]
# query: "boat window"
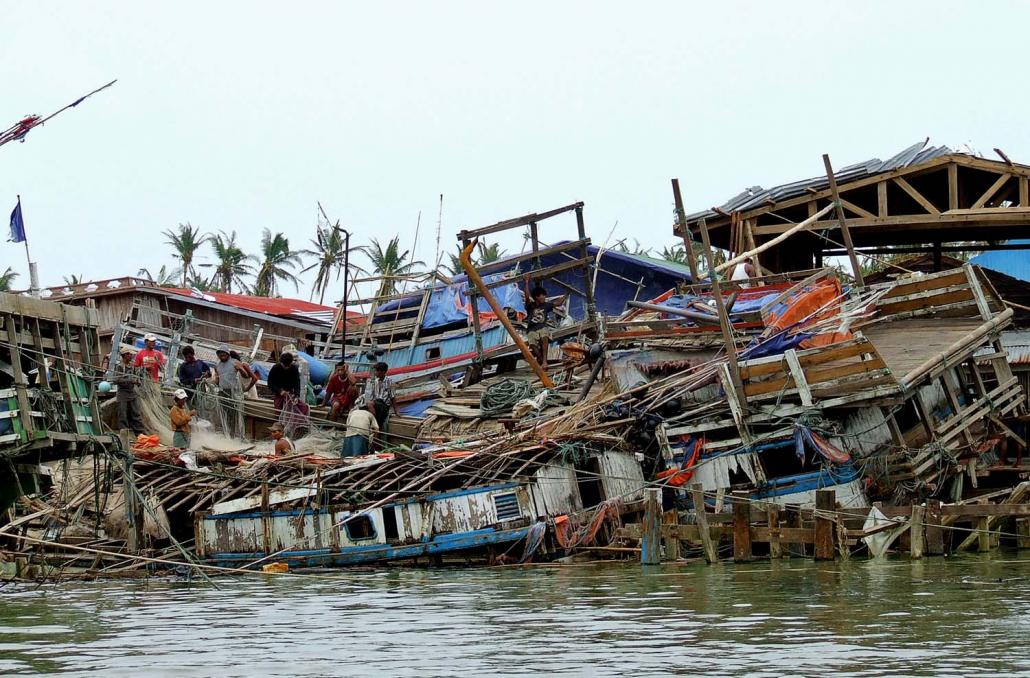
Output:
[[432, 353], [360, 527], [588, 477], [506, 506], [390, 522]]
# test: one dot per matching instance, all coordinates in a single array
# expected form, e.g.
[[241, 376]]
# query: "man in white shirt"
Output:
[[361, 425]]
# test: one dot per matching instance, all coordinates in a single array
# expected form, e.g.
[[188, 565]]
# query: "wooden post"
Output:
[[133, 509], [794, 521], [477, 365], [588, 278], [681, 220], [859, 281], [651, 542], [671, 541], [983, 535], [697, 494], [825, 504], [915, 532], [772, 515], [933, 532], [1023, 533], [266, 528], [741, 528], [724, 319]]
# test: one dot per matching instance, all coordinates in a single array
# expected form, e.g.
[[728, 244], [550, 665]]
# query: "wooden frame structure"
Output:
[[953, 197], [580, 260], [53, 417]]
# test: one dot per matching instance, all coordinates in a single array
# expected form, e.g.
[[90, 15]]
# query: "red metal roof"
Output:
[[278, 306]]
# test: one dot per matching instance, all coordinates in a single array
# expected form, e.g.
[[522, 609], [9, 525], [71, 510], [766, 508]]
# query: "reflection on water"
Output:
[[958, 615]]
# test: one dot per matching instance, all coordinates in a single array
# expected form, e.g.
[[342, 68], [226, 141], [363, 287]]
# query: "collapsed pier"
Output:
[[803, 409]]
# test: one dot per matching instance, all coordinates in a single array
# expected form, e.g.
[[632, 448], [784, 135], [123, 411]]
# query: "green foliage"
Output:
[[636, 249], [185, 241], [232, 266], [485, 254], [164, 277], [277, 264], [7, 279], [74, 279], [328, 251], [389, 262]]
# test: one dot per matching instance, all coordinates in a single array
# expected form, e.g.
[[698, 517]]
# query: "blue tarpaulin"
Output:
[[622, 277]]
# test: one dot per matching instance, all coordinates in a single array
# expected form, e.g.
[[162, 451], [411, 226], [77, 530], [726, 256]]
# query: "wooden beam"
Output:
[[856, 209], [989, 193], [856, 268], [698, 497], [916, 195], [881, 198], [1024, 192], [681, 221], [952, 186], [516, 222]]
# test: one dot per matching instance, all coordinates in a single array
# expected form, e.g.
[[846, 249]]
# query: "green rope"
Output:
[[499, 398]]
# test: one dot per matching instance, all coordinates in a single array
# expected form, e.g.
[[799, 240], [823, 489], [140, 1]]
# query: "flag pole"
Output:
[[33, 272]]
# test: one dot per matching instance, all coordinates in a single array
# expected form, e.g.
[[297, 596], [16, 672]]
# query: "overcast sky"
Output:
[[243, 115]]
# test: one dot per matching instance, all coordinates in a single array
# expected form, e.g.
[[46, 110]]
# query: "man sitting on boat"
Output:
[[379, 394], [340, 391]]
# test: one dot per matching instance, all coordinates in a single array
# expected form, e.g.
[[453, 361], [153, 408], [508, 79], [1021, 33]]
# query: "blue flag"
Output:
[[17, 225]]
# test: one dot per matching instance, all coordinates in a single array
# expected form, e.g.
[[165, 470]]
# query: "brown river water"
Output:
[[959, 615]]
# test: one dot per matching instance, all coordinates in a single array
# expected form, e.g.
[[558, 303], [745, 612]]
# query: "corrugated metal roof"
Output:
[[1013, 263], [1017, 343], [756, 196], [276, 306]]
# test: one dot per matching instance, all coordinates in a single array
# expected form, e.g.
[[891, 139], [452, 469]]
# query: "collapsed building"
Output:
[[665, 392]]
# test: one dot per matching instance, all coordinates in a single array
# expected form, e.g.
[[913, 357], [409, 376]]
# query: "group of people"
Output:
[[366, 410]]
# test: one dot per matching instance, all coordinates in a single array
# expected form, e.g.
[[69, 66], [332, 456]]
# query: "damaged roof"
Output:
[[756, 196]]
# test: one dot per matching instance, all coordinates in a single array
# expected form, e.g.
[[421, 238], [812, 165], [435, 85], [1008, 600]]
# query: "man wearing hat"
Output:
[[127, 378], [150, 359], [181, 417], [230, 392]]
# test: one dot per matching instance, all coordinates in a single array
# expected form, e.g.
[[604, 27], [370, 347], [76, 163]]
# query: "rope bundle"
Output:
[[499, 398]]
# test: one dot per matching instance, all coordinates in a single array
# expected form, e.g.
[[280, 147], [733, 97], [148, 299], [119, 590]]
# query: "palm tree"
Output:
[[328, 252], [232, 263], [186, 241], [6, 279], [164, 277], [638, 249], [278, 263], [487, 254], [74, 279], [389, 263]]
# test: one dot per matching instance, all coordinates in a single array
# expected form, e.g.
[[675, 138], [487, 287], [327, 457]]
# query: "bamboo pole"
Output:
[[801, 226]]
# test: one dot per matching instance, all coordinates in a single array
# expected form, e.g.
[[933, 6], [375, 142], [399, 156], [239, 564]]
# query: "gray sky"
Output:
[[242, 115]]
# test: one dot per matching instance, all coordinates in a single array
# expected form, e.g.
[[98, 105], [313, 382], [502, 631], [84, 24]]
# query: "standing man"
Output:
[[538, 329], [743, 272], [127, 378], [361, 424], [230, 393], [379, 393], [191, 372], [340, 391], [284, 381], [151, 360], [181, 415]]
